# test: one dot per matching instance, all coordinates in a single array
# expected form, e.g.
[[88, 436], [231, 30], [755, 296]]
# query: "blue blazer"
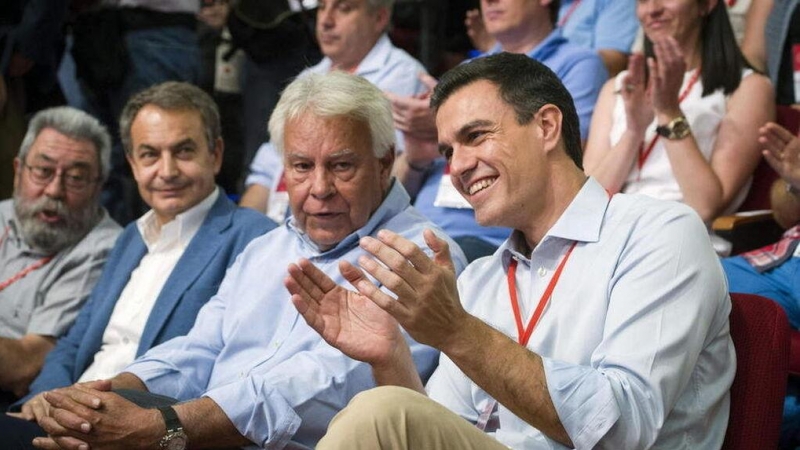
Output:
[[225, 232]]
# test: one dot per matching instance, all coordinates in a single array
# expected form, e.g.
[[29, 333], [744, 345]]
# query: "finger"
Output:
[[97, 385], [409, 250], [779, 131], [655, 79], [440, 248], [54, 429], [428, 80], [47, 443], [21, 415], [58, 400], [79, 394], [367, 288], [318, 277], [773, 143], [775, 163], [302, 285], [70, 420], [71, 443]]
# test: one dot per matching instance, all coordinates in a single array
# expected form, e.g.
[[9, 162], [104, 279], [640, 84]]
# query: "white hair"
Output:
[[336, 94]]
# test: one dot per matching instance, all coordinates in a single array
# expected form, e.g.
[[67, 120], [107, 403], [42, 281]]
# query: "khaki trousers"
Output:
[[391, 417]]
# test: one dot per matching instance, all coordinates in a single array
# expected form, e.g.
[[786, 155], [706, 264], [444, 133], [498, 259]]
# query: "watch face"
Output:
[[176, 441]]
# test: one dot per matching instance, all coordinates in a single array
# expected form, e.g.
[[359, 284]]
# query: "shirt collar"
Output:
[[542, 51], [396, 200], [178, 231], [580, 222]]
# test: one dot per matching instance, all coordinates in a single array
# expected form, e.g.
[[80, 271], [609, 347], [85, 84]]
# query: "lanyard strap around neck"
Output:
[[22, 273], [645, 153], [569, 12], [524, 333]]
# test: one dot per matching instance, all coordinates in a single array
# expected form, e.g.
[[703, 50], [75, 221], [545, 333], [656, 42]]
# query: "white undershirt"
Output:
[[165, 246]]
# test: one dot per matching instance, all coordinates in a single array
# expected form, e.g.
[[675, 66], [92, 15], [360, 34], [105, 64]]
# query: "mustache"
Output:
[[47, 204]]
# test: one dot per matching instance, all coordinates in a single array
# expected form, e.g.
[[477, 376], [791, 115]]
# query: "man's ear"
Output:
[[17, 171], [550, 119], [382, 18], [218, 151], [386, 163]]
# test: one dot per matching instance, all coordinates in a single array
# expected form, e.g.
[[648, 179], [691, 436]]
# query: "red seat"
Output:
[[760, 333]]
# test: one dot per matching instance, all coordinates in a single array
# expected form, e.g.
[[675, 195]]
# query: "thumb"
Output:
[[428, 80], [441, 250]]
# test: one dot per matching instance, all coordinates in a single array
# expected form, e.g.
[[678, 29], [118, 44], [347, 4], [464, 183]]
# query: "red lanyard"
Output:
[[524, 334], [569, 13], [644, 154], [21, 274]]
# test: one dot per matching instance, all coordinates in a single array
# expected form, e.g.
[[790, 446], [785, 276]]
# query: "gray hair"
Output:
[[336, 94], [74, 124], [172, 95]]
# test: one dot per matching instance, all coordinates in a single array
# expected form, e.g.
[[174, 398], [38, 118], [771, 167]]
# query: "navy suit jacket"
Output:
[[196, 277]]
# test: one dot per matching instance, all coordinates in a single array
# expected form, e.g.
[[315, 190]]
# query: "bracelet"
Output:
[[419, 169]]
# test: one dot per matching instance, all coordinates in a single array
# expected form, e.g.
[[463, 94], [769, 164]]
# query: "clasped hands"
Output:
[[363, 323], [88, 415]]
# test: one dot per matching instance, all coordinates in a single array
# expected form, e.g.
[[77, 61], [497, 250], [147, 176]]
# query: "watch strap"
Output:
[[170, 419]]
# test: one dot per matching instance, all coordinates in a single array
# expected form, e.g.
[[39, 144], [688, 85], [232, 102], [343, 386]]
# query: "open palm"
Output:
[[346, 319]]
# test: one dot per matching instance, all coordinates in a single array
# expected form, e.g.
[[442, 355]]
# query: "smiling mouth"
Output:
[[480, 185], [49, 216]]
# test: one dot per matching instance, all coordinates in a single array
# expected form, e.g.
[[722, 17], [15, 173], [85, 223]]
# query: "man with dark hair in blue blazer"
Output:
[[170, 262]]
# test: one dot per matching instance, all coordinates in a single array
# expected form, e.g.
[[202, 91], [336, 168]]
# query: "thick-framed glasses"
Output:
[[74, 179]]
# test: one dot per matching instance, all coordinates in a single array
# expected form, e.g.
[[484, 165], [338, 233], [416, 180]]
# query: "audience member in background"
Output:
[[167, 264], [633, 350], [519, 26], [783, 51], [352, 36], [772, 271], [682, 122], [749, 21], [54, 239], [607, 26], [251, 372]]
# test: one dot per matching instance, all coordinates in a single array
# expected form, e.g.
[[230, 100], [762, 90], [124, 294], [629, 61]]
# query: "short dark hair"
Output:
[[524, 84], [172, 95], [723, 60]]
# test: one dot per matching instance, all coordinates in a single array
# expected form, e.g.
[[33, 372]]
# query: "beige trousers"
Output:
[[391, 417]]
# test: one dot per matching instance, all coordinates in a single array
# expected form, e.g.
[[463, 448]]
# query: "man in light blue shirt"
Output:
[[602, 322], [353, 40], [251, 372]]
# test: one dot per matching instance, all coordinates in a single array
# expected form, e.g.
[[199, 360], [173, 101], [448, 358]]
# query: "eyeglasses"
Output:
[[74, 179]]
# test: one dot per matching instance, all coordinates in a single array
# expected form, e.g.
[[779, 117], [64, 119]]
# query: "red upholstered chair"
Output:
[[760, 333]]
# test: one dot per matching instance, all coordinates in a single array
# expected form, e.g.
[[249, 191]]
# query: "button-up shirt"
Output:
[[47, 300], [165, 246], [635, 339], [253, 354]]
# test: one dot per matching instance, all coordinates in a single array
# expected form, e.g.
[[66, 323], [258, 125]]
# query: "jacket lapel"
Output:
[[201, 250]]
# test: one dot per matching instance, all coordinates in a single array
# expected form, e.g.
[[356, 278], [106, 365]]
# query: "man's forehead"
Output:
[[55, 147]]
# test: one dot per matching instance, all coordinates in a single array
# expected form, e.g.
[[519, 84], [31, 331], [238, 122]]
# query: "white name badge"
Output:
[[447, 196]]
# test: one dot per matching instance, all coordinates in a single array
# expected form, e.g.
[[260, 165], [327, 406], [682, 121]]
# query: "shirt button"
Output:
[[277, 344], [542, 271]]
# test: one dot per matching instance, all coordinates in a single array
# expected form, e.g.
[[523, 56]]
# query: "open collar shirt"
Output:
[[165, 246], [47, 300], [635, 339], [252, 353]]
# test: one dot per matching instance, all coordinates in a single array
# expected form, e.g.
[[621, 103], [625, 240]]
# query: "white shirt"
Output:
[[165, 246], [635, 340]]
